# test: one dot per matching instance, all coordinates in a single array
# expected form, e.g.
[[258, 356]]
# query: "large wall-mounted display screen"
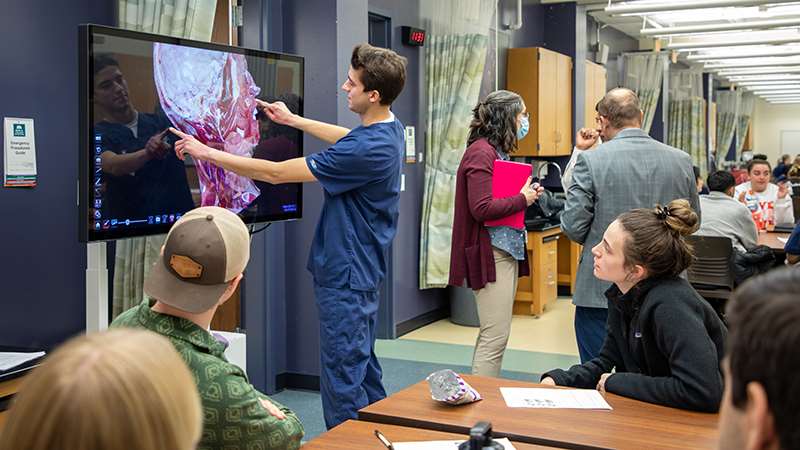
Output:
[[134, 86]]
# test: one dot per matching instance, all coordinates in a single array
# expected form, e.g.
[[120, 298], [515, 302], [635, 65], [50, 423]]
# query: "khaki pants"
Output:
[[495, 307]]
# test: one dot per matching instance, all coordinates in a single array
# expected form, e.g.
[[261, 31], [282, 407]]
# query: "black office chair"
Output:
[[711, 272]]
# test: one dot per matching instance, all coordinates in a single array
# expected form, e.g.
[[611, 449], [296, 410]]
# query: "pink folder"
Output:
[[508, 178]]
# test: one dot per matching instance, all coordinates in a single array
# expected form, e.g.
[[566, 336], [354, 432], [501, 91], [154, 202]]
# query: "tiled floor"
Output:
[[552, 332]]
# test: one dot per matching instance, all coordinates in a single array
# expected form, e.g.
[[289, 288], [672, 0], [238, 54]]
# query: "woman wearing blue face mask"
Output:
[[490, 259]]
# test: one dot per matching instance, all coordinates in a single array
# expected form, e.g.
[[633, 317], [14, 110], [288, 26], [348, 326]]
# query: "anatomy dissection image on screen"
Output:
[[211, 95], [136, 86]]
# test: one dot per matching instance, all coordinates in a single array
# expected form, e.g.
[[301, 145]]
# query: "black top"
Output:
[[666, 344], [158, 187]]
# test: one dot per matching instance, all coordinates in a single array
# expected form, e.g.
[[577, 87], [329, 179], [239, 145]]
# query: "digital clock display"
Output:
[[413, 36]]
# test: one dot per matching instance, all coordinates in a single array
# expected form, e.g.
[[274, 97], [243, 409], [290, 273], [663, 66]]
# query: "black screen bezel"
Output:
[[85, 128]]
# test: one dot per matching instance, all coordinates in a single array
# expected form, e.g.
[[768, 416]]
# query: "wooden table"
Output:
[[631, 425], [771, 240], [357, 435], [8, 389]]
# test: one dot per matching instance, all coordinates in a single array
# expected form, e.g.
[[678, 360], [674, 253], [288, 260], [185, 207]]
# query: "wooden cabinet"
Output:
[[595, 90], [541, 287], [544, 80]]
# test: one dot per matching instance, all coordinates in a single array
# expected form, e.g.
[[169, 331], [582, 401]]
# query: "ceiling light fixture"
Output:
[[716, 27], [709, 57], [784, 63], [710, 44], [760, 71], [653, 7]]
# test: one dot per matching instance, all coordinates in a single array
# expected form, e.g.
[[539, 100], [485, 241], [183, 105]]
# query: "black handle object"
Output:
[[480, 438]]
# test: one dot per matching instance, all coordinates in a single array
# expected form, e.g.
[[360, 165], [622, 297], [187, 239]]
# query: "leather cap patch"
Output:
[[185, 267]]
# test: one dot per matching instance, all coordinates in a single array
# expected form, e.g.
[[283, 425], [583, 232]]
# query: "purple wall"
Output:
[[43, 264], [409, 301]]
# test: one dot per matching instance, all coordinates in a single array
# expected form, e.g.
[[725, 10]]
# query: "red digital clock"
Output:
[[413, 36]]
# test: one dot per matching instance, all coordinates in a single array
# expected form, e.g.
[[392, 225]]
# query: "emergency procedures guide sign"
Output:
[[19, 157]]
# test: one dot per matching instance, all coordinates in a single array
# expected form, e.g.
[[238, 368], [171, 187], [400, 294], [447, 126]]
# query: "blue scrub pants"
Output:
[[590, 331], [350, 375]]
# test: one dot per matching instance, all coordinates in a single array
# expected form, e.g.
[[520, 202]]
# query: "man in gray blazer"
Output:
[[628, 170]]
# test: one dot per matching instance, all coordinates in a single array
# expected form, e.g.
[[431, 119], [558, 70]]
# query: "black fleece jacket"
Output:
[[666, 344]]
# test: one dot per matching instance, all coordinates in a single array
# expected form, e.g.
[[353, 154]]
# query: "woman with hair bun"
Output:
[[490, 259], [664, 342]]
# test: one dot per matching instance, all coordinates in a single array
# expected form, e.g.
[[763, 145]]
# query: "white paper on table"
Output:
[[442, 445], [9, 360], [554, 398], [783, 240]]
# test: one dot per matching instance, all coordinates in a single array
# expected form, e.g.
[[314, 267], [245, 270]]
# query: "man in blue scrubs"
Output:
[[360, 175]]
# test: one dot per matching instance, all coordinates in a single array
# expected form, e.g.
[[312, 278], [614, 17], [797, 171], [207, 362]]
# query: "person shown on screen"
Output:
[[360, 176], [114, 390], [141, 174], [761, 404], [665, 342], [759, 191], [199, 269], [495, 255]]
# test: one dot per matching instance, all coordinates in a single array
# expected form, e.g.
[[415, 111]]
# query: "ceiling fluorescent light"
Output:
[[773, 88], [764, 71], [755, 83], [652, 7], [755, 63], [761, 78], [711, 44], [777, 92], [708, 57], [715, 27], [759, 89]]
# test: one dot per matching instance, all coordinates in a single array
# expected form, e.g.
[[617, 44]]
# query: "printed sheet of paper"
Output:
[[442, 445], [9, 360], [554, 398]]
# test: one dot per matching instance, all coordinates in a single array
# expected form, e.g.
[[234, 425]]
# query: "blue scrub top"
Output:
[[360, 175]]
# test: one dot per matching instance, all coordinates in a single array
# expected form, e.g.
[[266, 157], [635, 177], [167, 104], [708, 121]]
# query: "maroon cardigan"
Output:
[[471, 254]]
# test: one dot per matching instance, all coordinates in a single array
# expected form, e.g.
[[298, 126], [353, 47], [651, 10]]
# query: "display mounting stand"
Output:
[[96, 287]]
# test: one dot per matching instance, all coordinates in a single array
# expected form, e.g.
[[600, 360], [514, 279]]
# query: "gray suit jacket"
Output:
[[630, 171]]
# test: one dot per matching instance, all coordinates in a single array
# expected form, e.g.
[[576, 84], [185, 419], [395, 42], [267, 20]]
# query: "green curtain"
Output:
[[687, 129], [454, 66], [746, 105], [643, 75], [193, 19], [727, 112]]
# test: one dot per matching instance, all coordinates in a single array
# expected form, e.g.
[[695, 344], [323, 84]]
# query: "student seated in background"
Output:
[[702, 189], [792, 247], [724, 216], [200, 266], [664, 341], [761, 405], [783, 166], [115, 390], [758, 190]]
